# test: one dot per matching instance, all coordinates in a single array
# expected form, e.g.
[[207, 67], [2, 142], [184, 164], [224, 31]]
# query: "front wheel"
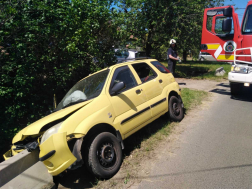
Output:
[[104, 156], [176, 110]]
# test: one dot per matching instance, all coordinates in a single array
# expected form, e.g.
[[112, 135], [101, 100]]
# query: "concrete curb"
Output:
[[24, 171]]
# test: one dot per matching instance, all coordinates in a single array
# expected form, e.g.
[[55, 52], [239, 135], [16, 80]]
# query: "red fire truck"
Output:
[[225, 40]]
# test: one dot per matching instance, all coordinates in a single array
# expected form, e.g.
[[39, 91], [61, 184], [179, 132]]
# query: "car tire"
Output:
[[176, 110], [235, 88], [202, 59], [104, 156]]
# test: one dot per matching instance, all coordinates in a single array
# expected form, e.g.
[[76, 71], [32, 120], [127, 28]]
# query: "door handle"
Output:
[[160, 81], [138, 91]]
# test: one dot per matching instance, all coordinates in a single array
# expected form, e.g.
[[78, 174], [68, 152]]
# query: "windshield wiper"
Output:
[[73, 103]]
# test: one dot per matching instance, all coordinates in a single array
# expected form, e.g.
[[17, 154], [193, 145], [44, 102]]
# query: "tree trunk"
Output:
[[149, 42], [184, 56]]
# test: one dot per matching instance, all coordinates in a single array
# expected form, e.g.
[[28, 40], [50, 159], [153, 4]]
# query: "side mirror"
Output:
[[116, 88], [227, 25], [227, 12]]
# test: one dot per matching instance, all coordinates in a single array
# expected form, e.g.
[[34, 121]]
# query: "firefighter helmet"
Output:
[[172, 41]]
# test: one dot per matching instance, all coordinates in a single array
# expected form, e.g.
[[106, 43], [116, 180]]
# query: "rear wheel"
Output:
[[104, 156], [176, 110], [235, 88]]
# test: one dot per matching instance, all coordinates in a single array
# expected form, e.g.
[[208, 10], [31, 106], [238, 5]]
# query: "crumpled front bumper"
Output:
[[11, 152], [8, 154], [55, 154]]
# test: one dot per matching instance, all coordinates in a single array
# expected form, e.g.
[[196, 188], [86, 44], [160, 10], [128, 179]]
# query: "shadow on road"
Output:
[[79, 178], [181, 83], [245, 94], [224, 85], [195, 171], [221, 91]]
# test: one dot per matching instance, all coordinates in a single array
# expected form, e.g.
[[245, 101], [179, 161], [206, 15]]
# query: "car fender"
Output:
[[99, 109], [103, 116], [172, 87]]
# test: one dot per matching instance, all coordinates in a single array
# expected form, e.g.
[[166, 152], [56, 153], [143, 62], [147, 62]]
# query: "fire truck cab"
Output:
[[225, 40]]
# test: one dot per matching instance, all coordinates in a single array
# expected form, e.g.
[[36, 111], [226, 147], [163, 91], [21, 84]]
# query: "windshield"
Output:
[[247, 23], [84, 90]]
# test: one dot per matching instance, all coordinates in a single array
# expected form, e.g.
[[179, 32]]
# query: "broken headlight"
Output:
[[50, 132]]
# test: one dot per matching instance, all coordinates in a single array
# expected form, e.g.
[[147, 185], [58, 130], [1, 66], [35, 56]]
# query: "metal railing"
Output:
[[243, 55]]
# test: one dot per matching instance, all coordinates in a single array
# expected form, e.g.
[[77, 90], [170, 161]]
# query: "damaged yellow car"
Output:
[[90, 123]]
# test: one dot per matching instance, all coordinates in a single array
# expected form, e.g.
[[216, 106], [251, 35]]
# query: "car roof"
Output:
[[128, 61], [131, 61]]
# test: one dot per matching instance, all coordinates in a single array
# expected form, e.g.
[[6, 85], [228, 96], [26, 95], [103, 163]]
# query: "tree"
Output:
[[47, 46], [155, 22]]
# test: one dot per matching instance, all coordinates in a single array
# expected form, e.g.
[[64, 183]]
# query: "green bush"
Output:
[[46, 47]]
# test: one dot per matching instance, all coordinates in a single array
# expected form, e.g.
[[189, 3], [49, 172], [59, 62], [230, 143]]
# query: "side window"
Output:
[[218, 26], [247, 23], [123, 74], [160, 67], [144, 71], [214, 22], [209, 23]]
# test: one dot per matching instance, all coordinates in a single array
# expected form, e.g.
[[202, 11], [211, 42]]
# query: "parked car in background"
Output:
[[125, 54], [204, 56], [90, 123]]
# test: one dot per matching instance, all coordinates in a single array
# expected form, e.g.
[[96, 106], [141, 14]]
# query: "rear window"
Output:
[[160, 67]]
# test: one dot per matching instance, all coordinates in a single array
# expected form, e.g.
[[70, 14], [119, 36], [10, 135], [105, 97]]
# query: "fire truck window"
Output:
[[209, 22], [214, 22], [218, 26], [247, 24]]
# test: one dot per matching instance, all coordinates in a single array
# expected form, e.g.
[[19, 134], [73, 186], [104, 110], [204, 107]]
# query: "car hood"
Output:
[[34, 128]]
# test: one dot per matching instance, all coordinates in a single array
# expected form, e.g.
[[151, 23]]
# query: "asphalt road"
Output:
[[214, 150]]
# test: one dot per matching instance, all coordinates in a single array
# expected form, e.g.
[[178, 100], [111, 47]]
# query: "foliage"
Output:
[[155, 22], [46, 47]]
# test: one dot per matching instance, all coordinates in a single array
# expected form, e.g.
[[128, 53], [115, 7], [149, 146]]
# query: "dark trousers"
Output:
[[171, 66]]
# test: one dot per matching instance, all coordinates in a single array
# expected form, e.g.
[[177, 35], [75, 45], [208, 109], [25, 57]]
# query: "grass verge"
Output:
[[140, 146], [200, 70]]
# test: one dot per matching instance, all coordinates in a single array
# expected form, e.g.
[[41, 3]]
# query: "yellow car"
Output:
[[90, 123]]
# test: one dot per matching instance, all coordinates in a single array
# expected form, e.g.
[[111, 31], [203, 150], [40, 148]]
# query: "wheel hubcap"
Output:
[[107, 155], [176, 108]]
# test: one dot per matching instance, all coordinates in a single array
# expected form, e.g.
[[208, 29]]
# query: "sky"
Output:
[[240, 4]]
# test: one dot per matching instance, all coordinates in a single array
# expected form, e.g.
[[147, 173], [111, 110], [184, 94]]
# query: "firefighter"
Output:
[[172, 56]]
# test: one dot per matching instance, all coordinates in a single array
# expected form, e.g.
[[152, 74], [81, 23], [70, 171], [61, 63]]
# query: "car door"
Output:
[[220, 44], [130, 105], [152, 85]]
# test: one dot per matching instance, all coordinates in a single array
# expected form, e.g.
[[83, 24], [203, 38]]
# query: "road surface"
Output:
[[214, 150]]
